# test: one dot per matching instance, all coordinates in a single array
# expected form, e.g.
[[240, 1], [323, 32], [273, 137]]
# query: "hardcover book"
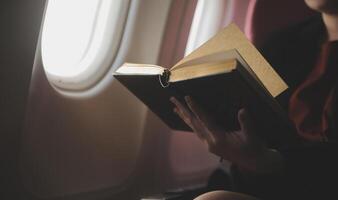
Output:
[[223, 75]]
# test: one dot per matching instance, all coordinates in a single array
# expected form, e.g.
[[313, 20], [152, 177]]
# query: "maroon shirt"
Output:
[[310, 105]]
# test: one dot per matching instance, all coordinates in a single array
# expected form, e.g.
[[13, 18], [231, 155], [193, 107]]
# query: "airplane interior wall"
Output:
[[20, 25], [76, 145]]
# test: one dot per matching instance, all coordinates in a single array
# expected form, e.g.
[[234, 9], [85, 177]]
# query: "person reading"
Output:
[[307, 58]]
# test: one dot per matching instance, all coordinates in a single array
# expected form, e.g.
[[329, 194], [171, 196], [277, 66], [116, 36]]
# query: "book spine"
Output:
[[164, 78]]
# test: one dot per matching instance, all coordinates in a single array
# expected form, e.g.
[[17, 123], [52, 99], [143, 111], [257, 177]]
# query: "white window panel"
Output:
[[209, 17], [80, 39]]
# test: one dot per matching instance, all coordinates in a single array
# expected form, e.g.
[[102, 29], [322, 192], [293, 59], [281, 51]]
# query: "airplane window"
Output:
[[77, 39], [209, 17]]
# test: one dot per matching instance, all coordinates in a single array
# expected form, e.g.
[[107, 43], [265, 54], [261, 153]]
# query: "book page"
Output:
[[230, 38], [141, 69], [201, 70], [211, 58]]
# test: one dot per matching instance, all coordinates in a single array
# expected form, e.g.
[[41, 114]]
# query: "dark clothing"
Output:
[[310, 106], [311, 168], [293, 53]]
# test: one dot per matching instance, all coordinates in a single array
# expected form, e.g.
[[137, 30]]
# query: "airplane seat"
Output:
[[265, 16]]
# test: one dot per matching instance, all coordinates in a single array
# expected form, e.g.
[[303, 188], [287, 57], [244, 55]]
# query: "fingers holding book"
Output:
[[190, 117], [240, 146]]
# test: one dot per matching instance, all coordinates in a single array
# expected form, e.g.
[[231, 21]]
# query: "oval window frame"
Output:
[[115, 17]]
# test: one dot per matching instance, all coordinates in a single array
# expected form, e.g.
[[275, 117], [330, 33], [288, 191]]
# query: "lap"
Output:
[[224, 195]]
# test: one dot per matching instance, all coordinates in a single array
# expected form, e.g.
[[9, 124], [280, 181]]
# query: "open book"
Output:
[[223, 75]]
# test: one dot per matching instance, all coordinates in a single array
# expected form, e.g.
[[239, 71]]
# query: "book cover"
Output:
[[222, 76]]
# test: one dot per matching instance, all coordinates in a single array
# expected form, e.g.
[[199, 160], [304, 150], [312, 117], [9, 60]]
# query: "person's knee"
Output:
[[224, 195]]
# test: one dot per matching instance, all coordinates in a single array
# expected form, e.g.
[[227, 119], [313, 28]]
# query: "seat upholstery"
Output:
[[266, 16]]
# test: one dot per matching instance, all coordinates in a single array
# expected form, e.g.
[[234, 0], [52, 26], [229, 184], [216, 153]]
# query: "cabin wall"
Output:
[[20, 25], [103, 143]]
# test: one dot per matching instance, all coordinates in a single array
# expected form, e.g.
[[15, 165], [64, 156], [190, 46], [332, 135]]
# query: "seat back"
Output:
[[266, 16]]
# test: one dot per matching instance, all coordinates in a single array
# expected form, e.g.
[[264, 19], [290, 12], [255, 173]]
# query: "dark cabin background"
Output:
[[20, 24]]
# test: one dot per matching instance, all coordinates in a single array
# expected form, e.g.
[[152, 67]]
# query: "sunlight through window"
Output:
[[67, 35], [77, 35], [207, 21]]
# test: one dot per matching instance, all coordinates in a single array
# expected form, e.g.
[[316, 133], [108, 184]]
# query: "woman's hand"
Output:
[[241, 147]]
